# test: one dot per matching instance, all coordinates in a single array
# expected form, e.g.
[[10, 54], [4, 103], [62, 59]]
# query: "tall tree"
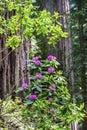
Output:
[[13, 63], [63, 49], [79, 30], [82, 58]]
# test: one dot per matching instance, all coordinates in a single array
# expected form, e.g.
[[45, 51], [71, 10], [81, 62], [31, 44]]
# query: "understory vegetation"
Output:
[[47, 104]]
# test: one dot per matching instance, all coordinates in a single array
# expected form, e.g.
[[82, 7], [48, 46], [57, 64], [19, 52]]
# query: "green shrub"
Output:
[[49, 104], [11, 115]]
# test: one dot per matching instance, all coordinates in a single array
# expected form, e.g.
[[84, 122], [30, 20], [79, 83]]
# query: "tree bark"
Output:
[[64, 48], [13, 63], [82, 59]]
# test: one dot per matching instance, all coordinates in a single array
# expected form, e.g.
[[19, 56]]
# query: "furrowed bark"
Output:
[[82, 59], [13, 63]]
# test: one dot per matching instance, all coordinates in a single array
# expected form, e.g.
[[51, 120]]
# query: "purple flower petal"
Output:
[[38, 76], [52, 110], [35, 58], [50, 57], [32, 97], [37, 62], [51, 70], [24, 85], [50, 99], [53, 88]]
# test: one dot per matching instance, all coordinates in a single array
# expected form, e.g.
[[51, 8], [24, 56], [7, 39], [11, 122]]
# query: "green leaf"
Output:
[[2, 30], [19, 90], [33, 1], [29, 102], [81, 106], [13, 41], [39, 89]]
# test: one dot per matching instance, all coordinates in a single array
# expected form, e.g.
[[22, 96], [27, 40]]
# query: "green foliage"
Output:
[[1, 24], [13, 24], [11, 115], [13, 41], [58, 113], [76, 45], [1, 31], [31, 22]]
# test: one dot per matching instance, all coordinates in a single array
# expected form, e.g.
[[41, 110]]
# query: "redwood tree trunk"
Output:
[[64, 47], [13, 64], [82, 60]]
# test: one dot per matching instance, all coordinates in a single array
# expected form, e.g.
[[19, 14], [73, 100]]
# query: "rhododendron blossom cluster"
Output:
[[38, 76], [52, 110], [24, 85], [50, 57], [36, 60], [51, 70], [50, 99], [53, 88], [32, 97]]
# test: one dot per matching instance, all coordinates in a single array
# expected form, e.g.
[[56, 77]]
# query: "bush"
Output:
[[49, 104], [11, 115]]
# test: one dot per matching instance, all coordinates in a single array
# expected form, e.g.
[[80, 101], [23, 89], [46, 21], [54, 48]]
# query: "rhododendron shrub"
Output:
[[49, 104]]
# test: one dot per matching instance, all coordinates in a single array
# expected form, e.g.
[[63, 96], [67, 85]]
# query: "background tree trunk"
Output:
[[82, 59], [13, 64], [63, 49]]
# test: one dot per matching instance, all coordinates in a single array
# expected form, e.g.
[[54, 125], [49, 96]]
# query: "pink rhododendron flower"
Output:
[[50, 57], [53, 88], [38, 76], [32, 97], [37, 62], [50, 99], [24, 85], [52, 110], [35, 58], [51, 70]]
